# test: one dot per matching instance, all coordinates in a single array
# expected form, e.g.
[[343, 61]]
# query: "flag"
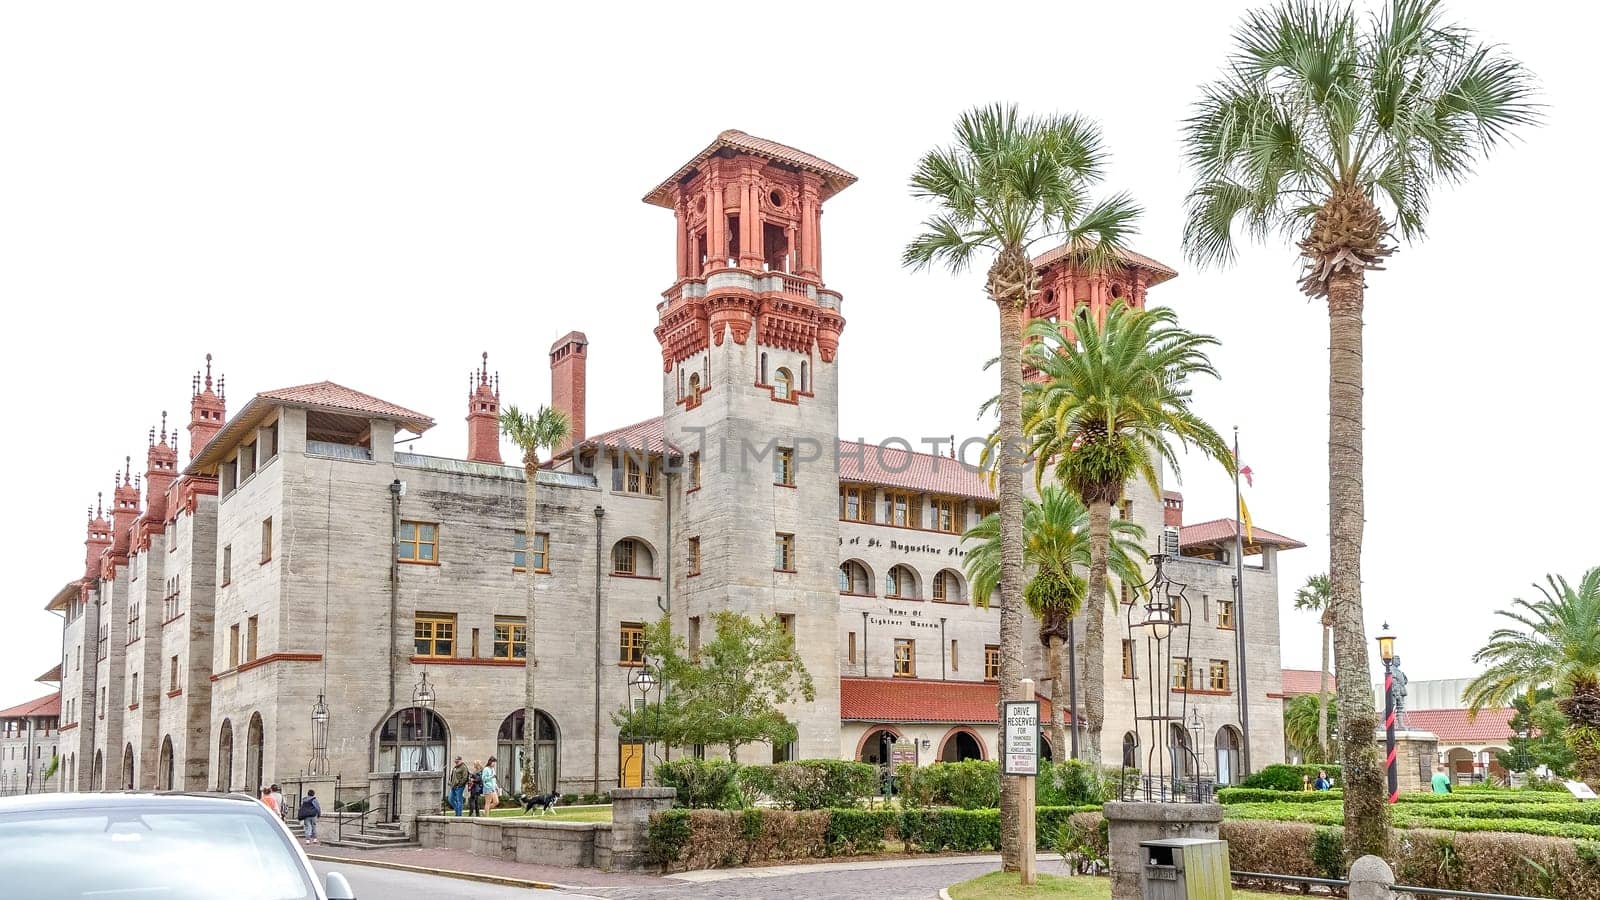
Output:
[[1249, 476], [1244, 511]]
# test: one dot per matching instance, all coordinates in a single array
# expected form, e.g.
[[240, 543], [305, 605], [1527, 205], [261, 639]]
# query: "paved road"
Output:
[[916, 882], [372, 883]]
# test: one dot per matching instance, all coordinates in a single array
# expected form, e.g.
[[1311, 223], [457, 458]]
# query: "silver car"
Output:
[[153, 845]]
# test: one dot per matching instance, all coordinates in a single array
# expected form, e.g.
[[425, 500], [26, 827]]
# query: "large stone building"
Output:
[[28, 742], [288, 599]]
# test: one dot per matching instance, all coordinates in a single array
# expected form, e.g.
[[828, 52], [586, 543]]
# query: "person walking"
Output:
[[1441, 780], [310, 811], [475, 789], [269, 801], [277, 801], [491, 786], [459, 776]]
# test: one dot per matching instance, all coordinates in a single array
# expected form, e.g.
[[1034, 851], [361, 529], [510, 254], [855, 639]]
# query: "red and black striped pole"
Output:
[[1388, 728]]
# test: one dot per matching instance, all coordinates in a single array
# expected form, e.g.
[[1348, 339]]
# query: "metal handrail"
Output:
[[373, 801]]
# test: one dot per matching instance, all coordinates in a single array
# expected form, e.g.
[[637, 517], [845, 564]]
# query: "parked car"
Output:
[[153, 846]]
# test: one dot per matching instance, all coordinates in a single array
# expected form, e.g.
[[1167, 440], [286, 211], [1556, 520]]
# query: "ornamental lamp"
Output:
[[1386, 644], [423, 694]]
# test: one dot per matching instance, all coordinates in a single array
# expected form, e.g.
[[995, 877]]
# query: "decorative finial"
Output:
[[208, 371], [196, 384], [99, 507], [127, 469], [222, 387], [163, 426], [483, 374], [88, 513], [152, 437], [497, 385], [136, 481]]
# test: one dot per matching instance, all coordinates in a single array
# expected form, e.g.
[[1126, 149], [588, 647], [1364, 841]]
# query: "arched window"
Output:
[[631, 556], [1228, 744], [97, 778], [225, 756], [164, 766], [947, 587], [512, 750], [694, 387], [255, 745], [1183, 760], [127, 767], [901, 584], [853, 579], [1130, 750], [783, 384], [414, 739]]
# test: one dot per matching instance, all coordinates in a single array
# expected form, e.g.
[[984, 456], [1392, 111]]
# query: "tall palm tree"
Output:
[[1055, 532], [1303, 716], [545, 429], [1005, 184], [1555, 643], [1313, 596], [1107, 406], [1335, 132]]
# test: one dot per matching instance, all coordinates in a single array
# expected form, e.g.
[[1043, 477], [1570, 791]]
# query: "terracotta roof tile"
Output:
[[834, 179], [1304, 681], [893, 467], [1492, 726], [648, 436], [891, 700], [48, 705], [332, 397], [1219, 530], [1160, 271]]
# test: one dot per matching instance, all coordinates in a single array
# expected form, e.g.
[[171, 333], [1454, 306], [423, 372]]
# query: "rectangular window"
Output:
[[991, 662], [694, 556], [1219, 674], [510, 637], [855, 503], [852, 646], [905, 658], [172, 676], [266, 539], [947, 515], [652, 478], [474, 654], [1224, 613], [233, 646], [900, 509], [227, 565], [1127, 594], [1127, 659], [783, 552], [1125, 509], [247, 461], [541, 551], [251, 633], [1180, 673], [694, 470], [419, 542], [434, 635], [694, 638], [624, 560], [787, 621], [134, 632], [632, 649], [783, 466], [955, 656], [133, 691]]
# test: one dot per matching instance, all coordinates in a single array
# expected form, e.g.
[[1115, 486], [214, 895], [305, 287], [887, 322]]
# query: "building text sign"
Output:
[[1020, 721]]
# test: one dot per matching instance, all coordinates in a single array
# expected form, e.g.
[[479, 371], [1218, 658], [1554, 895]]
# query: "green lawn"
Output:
[[561, 814], [1004, 886]]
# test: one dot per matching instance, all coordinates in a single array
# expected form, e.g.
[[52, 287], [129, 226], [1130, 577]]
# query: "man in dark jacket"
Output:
[[310, 811], [459, 775]]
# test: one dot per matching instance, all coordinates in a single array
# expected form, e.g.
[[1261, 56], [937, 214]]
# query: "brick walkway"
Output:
[[462, 861]]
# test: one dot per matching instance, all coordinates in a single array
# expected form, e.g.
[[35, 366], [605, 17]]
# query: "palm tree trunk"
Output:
[[1011, 614], [530, 717], [1322, 698], [1094, 630], [1366, 821], [1058, 699]]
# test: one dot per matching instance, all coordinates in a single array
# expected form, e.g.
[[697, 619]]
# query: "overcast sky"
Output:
[[375, 193]]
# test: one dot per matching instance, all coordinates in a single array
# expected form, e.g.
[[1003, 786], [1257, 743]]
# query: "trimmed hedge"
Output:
[[701, 783], [813, 783], [1226, 796], [975, 784], [1284, 777]]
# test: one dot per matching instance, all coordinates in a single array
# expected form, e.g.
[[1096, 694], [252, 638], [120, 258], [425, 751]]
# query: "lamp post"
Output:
[[1386, 651], [319, 737], [643, 680]]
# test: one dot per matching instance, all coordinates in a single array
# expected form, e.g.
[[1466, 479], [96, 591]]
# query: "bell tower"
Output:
[[749, 335]]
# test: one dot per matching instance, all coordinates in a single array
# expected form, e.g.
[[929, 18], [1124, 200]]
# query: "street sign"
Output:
[[903, 753], [1020, 721]]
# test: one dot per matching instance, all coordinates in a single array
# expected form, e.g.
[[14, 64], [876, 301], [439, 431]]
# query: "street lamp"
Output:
[[422, 693], [319, 736], [1386, 651]]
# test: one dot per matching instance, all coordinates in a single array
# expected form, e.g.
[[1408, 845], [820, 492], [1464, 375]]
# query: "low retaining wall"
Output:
[[519, 840]]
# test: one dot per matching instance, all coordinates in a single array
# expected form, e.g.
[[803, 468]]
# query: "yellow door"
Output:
[[630, 766]]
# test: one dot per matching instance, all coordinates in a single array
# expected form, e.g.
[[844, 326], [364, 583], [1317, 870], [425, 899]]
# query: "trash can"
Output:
[[1186, 869]]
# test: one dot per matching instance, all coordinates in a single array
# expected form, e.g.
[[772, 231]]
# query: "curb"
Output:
[[944, 894], [506, 880]]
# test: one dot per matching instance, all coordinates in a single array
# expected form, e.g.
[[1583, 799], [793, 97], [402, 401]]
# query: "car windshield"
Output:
[[145, 853]]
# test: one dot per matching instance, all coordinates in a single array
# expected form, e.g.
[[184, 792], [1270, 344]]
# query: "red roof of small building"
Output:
[[892, 700], [48, 705], [1492, 726], [834, 179], [1218, 531], [1304, 681], [873, 464], [337, 398], [1159, 271], [649, 436]]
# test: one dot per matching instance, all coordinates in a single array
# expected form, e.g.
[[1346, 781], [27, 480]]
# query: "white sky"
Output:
[[374, 193]]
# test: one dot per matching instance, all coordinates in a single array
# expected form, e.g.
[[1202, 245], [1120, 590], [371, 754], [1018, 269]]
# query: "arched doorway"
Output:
[[97, 775], [1130, 750], [225, 756], [414, 739], [255, 746], [959, 746], [1182, 760], [875, 744], [1046, 751], [127, 767], [511, 749], [164, 766], [1228, 745], [1461, 766]]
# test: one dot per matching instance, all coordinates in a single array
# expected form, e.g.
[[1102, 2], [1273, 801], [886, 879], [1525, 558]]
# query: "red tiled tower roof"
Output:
[[834, 179], [1304, 681], [336, 398], [888, 700], [1158, 271], [1219, 531]]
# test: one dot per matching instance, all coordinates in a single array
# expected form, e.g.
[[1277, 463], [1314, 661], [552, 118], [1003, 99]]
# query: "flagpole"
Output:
[[1238, 609]]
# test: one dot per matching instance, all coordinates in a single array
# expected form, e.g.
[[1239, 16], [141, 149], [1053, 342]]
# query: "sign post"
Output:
[[1019, 724]]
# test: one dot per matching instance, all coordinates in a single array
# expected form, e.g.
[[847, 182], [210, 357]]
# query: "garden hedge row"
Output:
[[1554, 820], [1285, 777], [803, 784], [975, 784]]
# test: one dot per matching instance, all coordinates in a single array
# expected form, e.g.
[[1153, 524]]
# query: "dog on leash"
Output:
[[545, 803]]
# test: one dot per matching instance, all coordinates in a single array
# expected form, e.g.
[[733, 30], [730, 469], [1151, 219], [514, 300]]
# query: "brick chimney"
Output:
[[483, 415], [96, 541], [208, 409], [568, 364], [1172, 509]]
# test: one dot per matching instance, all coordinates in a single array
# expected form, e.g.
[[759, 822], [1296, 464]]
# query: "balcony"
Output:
[[330, 450]]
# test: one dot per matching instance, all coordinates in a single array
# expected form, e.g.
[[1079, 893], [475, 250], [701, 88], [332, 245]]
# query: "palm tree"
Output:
[[1007, 183], [1313, 595], [1555, 644], [542, 430], [1335, 134], [1106, 407], [1055, 545], [1304, 717]]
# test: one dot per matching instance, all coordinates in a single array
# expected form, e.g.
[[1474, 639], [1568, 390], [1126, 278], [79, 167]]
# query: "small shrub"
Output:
[[1070, 782], [1283, 777], [1282, 848], [817, 783], [569, 799], [700, 783], [1083, 841], [915, 785], [856, 831], [712, 838], [668, 836], [1327, 851], [1049, 820]]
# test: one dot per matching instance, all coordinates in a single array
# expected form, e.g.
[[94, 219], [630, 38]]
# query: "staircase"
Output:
[[378, 836]]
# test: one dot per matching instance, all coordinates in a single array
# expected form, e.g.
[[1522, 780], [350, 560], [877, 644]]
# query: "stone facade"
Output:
[[303, 559], [29, 738]]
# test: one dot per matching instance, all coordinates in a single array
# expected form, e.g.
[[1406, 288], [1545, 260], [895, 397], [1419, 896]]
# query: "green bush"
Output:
[[1049, 820], [973, 784], [915, 786], [1072, 782], [667, 836], [1327, 851], [856, 831], [1283, 777], [935, 830], [814, 783], [1230, 795], [701, 783], [1083, 840]]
